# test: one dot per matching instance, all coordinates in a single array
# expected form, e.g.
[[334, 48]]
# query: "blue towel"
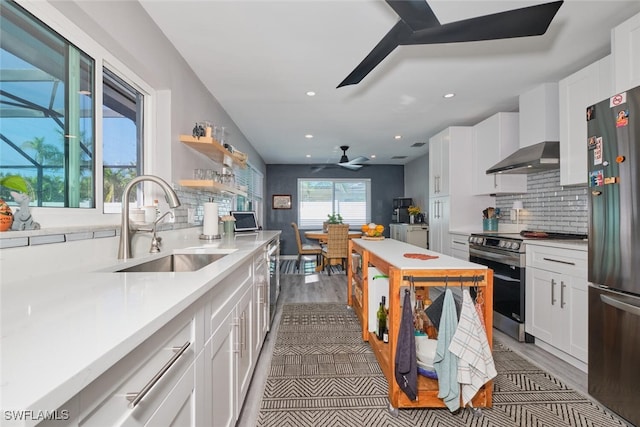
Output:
[[446, 363], [406, 366]]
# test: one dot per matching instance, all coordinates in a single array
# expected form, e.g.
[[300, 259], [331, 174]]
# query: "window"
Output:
[[122, 130], [253, 180], [46, 112], [348, 197]]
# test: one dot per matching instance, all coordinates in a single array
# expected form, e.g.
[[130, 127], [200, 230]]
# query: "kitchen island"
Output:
[[74, 345], [433, 270]]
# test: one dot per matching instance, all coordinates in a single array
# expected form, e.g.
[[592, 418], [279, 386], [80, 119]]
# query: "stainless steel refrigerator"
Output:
[[614, 252]]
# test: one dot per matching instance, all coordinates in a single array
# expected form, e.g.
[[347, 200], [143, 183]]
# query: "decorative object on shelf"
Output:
[[490, 218], [6, 216], [198, 131], [281, 201], [22, 219]]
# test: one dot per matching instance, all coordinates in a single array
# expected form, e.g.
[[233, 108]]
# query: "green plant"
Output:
[[15, 183], [414, 210], [334, 219]]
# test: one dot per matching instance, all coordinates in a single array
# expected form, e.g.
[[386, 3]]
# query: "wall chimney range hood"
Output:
[[534, 158], [539, 133]]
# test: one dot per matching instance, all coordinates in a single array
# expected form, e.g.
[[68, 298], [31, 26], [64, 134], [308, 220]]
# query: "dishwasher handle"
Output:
[[629, 308]]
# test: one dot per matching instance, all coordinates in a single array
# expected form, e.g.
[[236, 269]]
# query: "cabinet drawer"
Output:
[[164, 357], [565, 261]]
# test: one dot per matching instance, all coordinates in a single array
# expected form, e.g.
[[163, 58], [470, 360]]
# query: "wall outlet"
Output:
[[512, 214]]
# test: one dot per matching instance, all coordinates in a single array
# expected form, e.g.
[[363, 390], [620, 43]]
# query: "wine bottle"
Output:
[[382, 319]]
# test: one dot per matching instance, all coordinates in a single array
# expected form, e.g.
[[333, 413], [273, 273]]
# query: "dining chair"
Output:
[[306, 249], [337, 246]]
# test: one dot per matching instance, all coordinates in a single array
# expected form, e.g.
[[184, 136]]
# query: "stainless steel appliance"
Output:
[[505, 255], [401, 210], [614, 252], [273, 251]]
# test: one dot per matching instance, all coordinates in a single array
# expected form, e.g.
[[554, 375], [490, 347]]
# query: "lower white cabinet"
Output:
[[459, 244], [167, 356], [414, 234], [556, 301], [194, 371]]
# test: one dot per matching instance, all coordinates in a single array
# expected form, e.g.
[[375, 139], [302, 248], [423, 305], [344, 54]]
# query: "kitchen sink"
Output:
[[174, 263]]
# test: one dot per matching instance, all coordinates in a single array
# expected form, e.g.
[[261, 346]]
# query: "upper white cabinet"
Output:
[[625, 45], [439, 162], [493, 140], [539, 109], [578, 91], [451, 201]]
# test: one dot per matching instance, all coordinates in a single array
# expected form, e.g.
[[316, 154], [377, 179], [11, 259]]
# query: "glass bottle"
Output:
[[381, 316], [418, 311]]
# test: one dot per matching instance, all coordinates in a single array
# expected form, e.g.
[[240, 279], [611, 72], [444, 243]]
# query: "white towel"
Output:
[[469, 343]]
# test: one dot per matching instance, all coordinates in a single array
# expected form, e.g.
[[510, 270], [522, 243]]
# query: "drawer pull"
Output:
[[135, 398], [559, 261]]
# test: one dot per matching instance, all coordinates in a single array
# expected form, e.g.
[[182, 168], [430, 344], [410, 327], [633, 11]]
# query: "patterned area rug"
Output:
[[322, 374], [307, 266]]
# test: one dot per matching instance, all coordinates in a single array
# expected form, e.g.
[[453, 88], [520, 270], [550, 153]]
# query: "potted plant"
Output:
[[22, 220], [413, 211], [332, 219]]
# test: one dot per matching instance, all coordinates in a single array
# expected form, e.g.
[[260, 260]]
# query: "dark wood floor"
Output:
[[323, 288]]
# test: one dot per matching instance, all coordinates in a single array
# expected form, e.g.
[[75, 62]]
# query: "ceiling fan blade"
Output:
[[350, 166], [417, 14], [399, 32], [523, 22], [357, 160]]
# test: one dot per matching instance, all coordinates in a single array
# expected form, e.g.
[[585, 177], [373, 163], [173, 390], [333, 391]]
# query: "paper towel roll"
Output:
[[210, 222]]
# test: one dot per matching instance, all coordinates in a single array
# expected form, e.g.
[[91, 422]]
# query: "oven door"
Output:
[[508, 290]]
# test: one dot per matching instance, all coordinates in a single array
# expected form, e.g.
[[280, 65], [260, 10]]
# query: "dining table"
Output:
[[321, 236]]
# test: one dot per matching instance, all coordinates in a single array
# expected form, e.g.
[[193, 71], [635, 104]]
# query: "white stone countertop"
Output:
[[61, 331], [393, 252]]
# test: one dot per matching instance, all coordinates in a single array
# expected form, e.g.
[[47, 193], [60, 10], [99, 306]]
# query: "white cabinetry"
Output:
[[625, 42], [556, 301], [414, 234], [578, 91], [459, 244], [451, 202], [229, 360], [493, 140], [159, 375], [260, 300], [439, 162]]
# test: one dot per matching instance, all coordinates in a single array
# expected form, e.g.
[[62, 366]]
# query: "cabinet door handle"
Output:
[[559, 261], [562, 286], [457, 242], [135, 398], [495, 180], [553, 288]]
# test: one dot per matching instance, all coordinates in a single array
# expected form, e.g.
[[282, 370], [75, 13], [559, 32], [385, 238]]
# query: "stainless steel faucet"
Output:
[[126, 233], [155, 240]]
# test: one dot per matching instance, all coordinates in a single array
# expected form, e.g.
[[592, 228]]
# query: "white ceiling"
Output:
[[259, 58]]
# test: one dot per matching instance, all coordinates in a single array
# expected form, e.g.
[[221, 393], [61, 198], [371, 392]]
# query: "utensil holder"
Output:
[[490, 224]]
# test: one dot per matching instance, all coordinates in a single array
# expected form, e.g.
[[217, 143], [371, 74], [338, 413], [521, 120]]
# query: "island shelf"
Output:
[[387, 257]]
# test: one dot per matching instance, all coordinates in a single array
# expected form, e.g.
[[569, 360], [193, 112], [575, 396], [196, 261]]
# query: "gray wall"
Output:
[[387, 182], [416, 179]]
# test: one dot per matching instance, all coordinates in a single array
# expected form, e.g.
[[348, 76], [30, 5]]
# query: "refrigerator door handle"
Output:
[[629, 308]]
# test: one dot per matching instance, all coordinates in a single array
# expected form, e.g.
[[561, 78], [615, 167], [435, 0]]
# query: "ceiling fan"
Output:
[[419, 25], [354, 164]]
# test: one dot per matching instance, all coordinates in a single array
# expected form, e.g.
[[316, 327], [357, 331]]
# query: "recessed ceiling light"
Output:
[[397, 137], [448, 95], [308, 136], [311, 93], [373, 156], [308, 155]]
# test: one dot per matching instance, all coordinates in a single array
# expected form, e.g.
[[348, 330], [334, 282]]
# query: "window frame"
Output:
[[334, 181], [52, 17]]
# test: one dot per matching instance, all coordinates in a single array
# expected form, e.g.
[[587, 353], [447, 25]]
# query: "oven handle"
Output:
[[505, 278], [490, 256]]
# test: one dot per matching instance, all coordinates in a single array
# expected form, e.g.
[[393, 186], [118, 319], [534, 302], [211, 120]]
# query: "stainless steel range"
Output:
[[505, 255]]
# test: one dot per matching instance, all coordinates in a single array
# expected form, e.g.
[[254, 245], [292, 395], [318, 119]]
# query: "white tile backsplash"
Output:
[[548, 206]]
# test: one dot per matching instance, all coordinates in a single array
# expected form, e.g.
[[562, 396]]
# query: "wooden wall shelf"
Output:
[[210, 185], [212, 149]]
